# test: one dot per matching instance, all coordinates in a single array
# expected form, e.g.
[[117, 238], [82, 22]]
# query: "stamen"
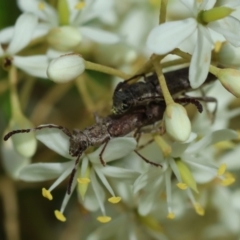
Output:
[[80, 5], [217, 46], [228, 180], [60, 216], [47, 194], [41, 5], [221, 169], [104, 219], [171, 215], [199, 209], [83, 180], [114, 199], [182, 186]]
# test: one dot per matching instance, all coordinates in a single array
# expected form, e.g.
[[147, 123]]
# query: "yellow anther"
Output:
[[83, 180], [104, 219], [221, 169], [80, 5], [41, 5], [182, 186], [114, 199], [224, 145], [47, 194], [199, 209], [218, 46], [228, 180], [59, 216], [171, 215]]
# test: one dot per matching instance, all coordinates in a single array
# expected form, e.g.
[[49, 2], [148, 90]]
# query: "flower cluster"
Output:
[[157, 169]]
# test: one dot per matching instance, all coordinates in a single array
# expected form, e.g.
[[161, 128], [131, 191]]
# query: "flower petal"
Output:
[[147, 178], [6, 34], [229, 27], [33, 65], [37, 172], [42, 10], [99, 36], [212, 138], [23, 32], [164, 38], [55, 139], [117, 172], [200, 62]]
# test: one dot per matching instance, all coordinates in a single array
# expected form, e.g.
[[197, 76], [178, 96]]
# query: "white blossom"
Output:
[[22, 35], [168, 36]]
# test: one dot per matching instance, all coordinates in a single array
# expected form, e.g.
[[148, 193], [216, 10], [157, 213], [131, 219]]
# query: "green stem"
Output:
[[182, 54], [15, 105], [81, 86], [214, 70], [163, 11], [166, 94], [105, 69]]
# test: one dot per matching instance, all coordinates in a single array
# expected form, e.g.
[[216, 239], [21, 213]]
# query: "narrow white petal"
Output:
[[94, 9], [164, 38], [116, 149], [104, 180], [54, 139], [90, 201], [146, 178], [117, 172], [33, 65], [99, 36], [6, 34], [212, 138], [23, 32], [200, 61], [146, 202], [67, 196], [12, 161], [38, 172], [229, 27], [167, 176], [99, 193], [69, 167]]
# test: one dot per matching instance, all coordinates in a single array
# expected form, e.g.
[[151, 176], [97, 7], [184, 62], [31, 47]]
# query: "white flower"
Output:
[[22, 35], [90, 167], [191, 163], [76, 14], [165, 37]]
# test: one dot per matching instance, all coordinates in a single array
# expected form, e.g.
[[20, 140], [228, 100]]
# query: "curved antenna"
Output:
[[65, 130], [73, 174]]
